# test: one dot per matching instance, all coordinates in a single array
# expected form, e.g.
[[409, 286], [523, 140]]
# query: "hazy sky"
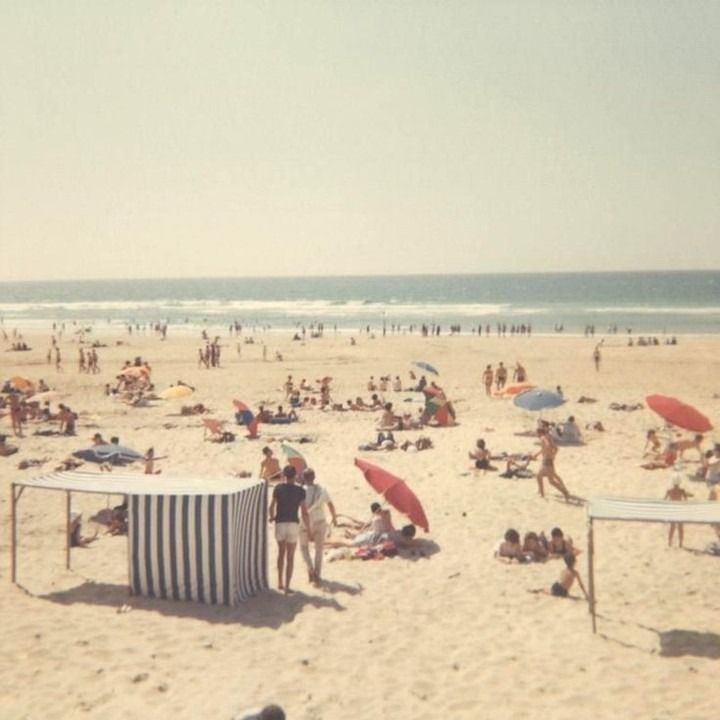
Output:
[[235, 138]]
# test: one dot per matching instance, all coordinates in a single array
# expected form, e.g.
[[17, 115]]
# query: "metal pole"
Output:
[[13, 534], [591, 574], [67, 529]]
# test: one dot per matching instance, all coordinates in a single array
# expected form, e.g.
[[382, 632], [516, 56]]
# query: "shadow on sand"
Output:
[[269, 609], [674, 643]]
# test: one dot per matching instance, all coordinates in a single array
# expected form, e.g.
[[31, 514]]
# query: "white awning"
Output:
[[648, 510], [116, 483]]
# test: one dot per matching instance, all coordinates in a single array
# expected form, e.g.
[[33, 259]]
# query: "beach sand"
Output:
[[450, 632]]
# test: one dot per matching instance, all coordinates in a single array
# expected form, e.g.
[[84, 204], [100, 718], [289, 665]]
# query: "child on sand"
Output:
[[569, 574], [678, 494]]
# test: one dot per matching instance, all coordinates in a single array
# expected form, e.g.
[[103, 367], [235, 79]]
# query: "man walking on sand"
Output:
[[287, 499], [316, 498], [548, 450]]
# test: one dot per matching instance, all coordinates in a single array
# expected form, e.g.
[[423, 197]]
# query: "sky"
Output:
[[195, 139]]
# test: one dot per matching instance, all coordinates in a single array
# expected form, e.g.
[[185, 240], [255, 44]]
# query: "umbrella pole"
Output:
[[591, 574], [67, 529], [13, 532]]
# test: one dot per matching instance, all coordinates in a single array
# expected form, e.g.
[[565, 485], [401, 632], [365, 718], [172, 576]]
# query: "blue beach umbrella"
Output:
[[538, 399], [426, 366], [115, 454]]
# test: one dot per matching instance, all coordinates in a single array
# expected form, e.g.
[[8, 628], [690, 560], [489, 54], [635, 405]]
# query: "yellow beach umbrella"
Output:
[[175, 391]]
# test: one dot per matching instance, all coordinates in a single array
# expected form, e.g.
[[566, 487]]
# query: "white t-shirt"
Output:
[[316, 498]]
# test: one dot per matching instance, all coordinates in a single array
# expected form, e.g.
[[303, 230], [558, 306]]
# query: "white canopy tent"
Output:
[[642, 510], [201, 539]]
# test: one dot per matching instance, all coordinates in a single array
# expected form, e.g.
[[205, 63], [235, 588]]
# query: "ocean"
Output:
[[647, 303]]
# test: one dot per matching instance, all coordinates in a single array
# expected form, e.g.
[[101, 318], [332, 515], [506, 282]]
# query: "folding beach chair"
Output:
[[214, 431]]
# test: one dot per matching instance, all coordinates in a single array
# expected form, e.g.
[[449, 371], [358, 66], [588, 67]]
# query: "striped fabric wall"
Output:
[[207, 548]]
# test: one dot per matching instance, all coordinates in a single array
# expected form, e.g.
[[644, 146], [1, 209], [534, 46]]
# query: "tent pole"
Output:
[[13, 533], [67, 529], [591, 574]]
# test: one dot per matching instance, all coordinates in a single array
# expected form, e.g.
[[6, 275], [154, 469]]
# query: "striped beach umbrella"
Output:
[[294, 458]]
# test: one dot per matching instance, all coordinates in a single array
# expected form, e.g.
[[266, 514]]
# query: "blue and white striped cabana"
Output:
[[188, 538]]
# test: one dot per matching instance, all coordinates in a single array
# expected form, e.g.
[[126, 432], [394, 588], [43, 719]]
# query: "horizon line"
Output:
[[359, 275]]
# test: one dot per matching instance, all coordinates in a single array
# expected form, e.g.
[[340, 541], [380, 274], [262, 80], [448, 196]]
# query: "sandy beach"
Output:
[[449, 631]]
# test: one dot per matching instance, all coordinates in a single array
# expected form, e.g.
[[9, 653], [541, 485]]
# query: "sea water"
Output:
[[645, 303]]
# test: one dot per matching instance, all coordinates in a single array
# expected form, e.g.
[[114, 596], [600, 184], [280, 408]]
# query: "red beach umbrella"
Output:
[[395, 491], [678, 413]]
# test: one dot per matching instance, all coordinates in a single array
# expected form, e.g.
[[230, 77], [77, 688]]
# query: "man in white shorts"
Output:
[[287, 499], [316, 498]]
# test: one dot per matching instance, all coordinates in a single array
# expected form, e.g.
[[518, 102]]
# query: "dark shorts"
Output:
[[482, 464], [558, 590]]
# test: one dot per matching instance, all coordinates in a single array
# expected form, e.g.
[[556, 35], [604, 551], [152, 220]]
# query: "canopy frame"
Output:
[[640, 510]]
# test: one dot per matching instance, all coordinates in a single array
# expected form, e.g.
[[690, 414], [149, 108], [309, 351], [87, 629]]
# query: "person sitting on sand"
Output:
[[561, 588], [76, 538], [379, 525], [98, 439], [269, 467], [568, 433], [481, 456], [375, 402], [119, 519], [389, 421], [661, 462], [509, 548], [397, 384], [5, 449], [67, 420]]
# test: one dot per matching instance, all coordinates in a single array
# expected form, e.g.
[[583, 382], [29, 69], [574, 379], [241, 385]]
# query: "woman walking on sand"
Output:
[[548, 450]]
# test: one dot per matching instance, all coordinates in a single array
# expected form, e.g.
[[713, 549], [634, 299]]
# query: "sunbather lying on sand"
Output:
[[516, 466], [510, 548], [197, 409], [385, 441], [422, 443]]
